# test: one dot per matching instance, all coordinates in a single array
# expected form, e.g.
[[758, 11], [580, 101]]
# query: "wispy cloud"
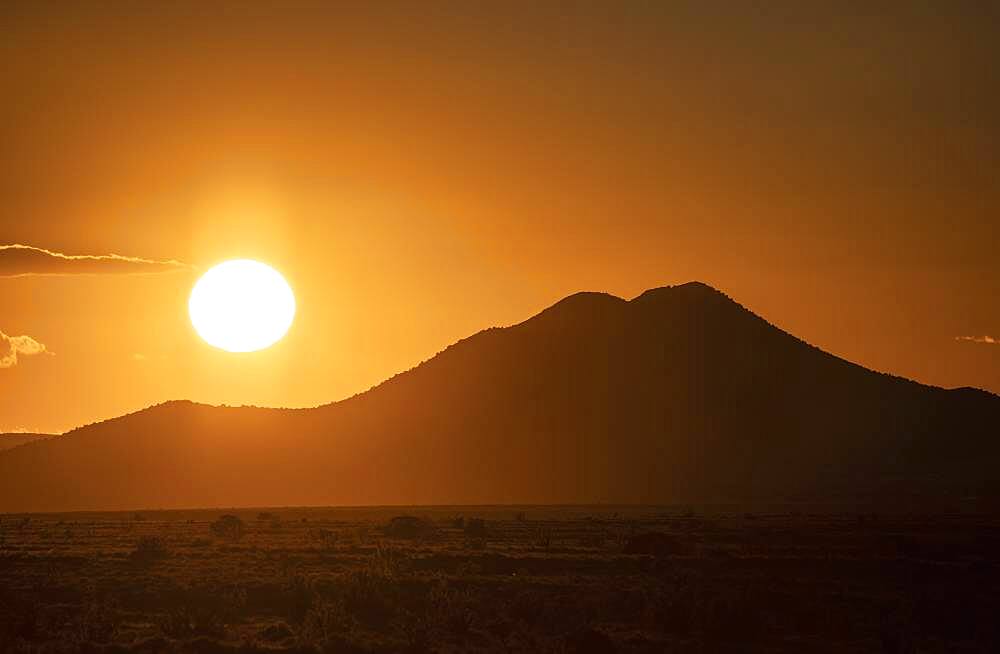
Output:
[[17, 260], [989, 340], [13, 346]]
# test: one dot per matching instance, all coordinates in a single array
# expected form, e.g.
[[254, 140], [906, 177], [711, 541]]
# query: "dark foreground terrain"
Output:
[[533, 579]]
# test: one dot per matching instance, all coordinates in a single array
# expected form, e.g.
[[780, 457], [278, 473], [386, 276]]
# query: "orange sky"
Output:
[[419, 171]]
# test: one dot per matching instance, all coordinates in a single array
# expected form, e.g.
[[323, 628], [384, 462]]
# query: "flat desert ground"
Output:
[[501, 579]]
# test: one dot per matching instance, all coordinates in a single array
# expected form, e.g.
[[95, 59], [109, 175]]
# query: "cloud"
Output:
[[18, 260], [989, 340], [12, 346]]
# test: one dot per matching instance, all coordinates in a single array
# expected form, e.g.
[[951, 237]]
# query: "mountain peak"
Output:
[[579, 305], [595, 299], [590, 301], [688, 289]]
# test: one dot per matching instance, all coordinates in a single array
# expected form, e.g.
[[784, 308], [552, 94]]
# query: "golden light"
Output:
[[241, 305]]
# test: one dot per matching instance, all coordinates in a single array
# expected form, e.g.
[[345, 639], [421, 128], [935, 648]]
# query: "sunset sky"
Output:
[[420, 171]]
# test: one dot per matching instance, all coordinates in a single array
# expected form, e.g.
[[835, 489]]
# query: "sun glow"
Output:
[[241, 306]]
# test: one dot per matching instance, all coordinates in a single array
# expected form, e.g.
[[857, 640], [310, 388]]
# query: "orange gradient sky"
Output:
[[420, 171]]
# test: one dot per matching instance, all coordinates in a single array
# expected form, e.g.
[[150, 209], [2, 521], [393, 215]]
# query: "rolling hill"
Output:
[[679, 394]]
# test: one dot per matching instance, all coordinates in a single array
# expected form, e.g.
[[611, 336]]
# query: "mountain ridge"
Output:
[[16, 439], [678, 393]]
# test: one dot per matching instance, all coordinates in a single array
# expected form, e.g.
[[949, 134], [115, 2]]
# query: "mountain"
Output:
[[8, 441], [679, 394]]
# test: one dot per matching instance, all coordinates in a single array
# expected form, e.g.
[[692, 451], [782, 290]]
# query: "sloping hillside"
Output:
[[8, 441], [678, 394]]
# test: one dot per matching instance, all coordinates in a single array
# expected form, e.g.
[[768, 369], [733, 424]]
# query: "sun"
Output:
[[241, 305]]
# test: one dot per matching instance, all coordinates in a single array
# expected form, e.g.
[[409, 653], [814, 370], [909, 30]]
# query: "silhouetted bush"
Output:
[[299, 598], [273, 520], [543, 538], [275, 633], [370, 598], [324, 624], [386, 561], [204, 611], [149, 549], [227, 526], [655, 544], [408, 527], [475, 528], [451, 610], [96, 622], [188, 622], [326, 538]]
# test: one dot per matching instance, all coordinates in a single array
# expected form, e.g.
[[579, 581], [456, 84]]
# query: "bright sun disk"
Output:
[[241, 306]]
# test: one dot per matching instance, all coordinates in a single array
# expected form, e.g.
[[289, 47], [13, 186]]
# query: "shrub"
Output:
[[190, 621], [326, 538], [204, 611], [386, 562], [273, 520], [475, 528], [149, 549], [370, 598], [300, 598], [416, 632], [543, 538], [408, 527], [96, 622], [277, 632], [227, 526], [450, 610], [655, 544], [323, 623]]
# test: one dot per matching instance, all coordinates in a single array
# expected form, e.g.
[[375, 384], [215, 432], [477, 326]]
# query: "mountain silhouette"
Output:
[[679, 394], [7, 441]]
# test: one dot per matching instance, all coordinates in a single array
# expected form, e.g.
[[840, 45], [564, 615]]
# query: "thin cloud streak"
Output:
[[17, 260], [988, 340], [13, 346]]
